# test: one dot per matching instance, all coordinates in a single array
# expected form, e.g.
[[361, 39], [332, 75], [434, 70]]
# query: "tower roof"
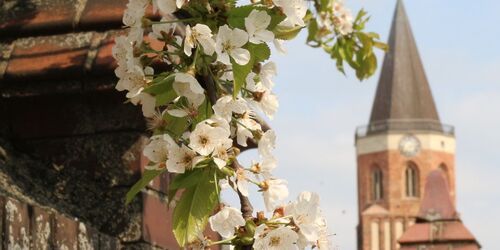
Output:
[[403, 92], [436, 204]]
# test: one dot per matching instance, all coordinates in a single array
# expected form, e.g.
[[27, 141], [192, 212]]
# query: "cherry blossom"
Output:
[[181, 158], [256, 25], [274, 192], [295, 10], [226, 221], [281, 238], [228, 44], [157, 151], [199, 34], [205, 138]]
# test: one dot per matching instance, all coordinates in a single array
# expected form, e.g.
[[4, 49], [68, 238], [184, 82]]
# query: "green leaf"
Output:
[[236, 16], [325, 4], [313, 30], [382, 46], [147, 176], [286, 33], [204, 112], [162, 89], [176, 125], [258, 53], [166, 97], [160, 84], [185, 180], [194, 207]]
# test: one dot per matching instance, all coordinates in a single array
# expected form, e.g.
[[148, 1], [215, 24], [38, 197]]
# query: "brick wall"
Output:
[[398, 207]]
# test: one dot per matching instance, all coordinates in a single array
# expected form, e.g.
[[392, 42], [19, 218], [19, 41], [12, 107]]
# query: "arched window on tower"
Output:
[[377, 184], [411, 178]]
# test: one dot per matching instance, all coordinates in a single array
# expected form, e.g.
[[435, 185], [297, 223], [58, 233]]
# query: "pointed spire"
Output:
[[403, 92]]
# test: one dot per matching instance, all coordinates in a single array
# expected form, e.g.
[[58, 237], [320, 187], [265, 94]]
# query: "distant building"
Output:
[[404, 146]]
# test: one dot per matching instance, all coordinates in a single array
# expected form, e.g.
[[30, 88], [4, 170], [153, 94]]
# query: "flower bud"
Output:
[[146, 22]]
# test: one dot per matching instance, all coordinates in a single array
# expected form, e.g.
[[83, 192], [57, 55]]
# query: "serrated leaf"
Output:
[[194, 207], [258, 53], [146, 178]]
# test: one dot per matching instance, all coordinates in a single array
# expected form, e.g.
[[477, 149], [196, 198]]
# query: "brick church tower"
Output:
[[404, 141]]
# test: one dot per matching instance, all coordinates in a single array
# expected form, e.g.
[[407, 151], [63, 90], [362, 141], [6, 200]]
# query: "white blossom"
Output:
[[274, 192], [295, 10], [344, 19], [267, 72], [265, 167], [148, 103], [157, 151], [226, 221], [132, 17], [134, 12], [267, 143], [228, 44], [158, 29], [227, 105], [241, 181], [262, 96], [256, 25], [134, 80], [244, 128], [323, 242], [281, 238], [218, 122], [306, 213], [205, 138], [181, 158], [221, 154], [199, 34], [165, 6], [186, 85], [188, 109]]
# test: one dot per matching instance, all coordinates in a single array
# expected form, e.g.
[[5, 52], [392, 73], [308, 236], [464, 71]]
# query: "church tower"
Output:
[[403, 142]]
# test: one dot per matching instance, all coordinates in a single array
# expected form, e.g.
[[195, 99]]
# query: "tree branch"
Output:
[[246, 207]]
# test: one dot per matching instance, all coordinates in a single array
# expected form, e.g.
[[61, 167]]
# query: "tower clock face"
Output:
[[409, 146]]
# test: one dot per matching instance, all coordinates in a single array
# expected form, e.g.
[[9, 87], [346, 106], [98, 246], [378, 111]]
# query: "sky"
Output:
[[320, 108]]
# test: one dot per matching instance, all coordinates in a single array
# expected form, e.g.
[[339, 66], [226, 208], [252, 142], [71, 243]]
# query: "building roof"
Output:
[[436, 204], [403, 92], [438, 223], [437, 232]]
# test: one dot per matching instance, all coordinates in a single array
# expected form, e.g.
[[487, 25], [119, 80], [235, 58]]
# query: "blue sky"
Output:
[[320, 108]]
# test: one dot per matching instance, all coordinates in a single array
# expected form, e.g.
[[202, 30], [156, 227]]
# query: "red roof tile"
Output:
[[447, 231]]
